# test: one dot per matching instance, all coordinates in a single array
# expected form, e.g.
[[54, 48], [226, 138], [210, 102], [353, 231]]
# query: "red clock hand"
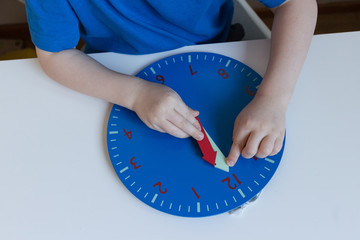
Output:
[[208, 152]]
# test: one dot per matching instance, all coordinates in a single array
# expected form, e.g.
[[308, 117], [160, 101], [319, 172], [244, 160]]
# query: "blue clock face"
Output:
[[168, 173]]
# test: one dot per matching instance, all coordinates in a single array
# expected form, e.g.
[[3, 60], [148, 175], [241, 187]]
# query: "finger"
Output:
[[252, 145], [154, 126], [157, 128], [195, 113], [196, 123], [277, 146], [266, 147], [185, 126], [189, 114], [233, 155], [173, 130], [236, 148]]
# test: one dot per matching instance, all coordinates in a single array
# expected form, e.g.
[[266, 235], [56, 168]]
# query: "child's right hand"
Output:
[[162, 109]]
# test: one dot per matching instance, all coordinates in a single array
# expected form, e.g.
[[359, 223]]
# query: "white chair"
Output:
[[254, 27]]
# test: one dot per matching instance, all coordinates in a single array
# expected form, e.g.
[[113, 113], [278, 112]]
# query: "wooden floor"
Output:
[[332, 18]]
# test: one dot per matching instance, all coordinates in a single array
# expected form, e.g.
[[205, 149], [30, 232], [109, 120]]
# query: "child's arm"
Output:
[[260, 127], [158, 106]]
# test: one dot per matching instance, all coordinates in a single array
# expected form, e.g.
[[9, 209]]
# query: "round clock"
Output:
[[168, 173]]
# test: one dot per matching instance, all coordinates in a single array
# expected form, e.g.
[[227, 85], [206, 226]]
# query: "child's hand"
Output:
[[162, 109], [259, 130]]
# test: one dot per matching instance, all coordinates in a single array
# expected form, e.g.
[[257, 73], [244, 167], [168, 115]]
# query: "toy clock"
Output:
[[184, 177]]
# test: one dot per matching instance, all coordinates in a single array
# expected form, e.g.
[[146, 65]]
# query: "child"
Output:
[[147, 26]]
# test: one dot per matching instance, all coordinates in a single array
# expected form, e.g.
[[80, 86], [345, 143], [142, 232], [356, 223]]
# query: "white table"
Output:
[[57, 182]]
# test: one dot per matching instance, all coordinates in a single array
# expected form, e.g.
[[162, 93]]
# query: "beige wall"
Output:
[[255, 3], [12, 11]]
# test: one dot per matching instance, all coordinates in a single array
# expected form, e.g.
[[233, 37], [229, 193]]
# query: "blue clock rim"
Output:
[[174, 213]]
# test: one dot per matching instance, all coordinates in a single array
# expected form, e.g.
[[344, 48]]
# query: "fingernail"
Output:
[[198, 127], [200, 136], [231, 163]]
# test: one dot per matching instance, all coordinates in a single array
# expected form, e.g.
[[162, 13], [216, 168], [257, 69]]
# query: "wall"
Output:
[[255, 3], [12, 11]]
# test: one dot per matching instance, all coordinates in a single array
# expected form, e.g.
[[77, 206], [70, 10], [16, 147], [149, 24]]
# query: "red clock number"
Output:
[[196, 194], [160, 78], [250, 92], [128, 134], [223, 73], [161, 191], [134, 163], [228, 181], [191, 71]]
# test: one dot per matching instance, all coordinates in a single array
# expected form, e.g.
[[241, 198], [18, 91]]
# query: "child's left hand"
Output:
[[259, 129]]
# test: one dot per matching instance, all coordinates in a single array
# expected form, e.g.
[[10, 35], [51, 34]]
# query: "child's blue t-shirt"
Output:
[[129, 26]]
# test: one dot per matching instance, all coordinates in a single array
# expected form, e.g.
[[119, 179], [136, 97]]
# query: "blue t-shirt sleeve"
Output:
[[272, 3], [53, 24]]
